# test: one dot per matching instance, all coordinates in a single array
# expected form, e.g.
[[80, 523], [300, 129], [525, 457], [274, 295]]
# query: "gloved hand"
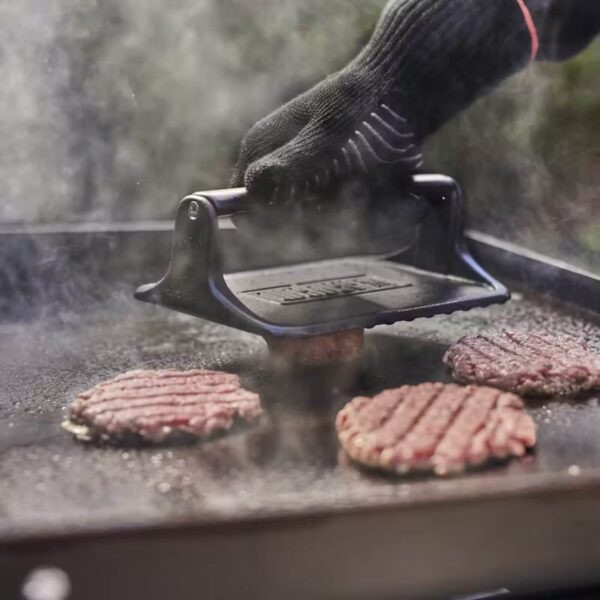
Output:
[[426, 61]]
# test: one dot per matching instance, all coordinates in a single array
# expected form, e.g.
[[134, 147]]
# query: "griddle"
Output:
[[273, 511]]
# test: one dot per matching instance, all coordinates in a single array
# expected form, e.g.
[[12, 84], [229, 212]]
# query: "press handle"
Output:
[[228, 202], [233, 201]]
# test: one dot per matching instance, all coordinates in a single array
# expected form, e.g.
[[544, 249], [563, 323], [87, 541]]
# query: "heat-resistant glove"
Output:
[[565, 27], [426, 61]]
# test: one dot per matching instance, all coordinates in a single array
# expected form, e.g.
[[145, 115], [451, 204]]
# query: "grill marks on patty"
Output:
[[158, 405], [434, 426], [525, 363]]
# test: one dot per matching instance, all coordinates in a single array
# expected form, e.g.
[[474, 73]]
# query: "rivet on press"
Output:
[[193, 210]]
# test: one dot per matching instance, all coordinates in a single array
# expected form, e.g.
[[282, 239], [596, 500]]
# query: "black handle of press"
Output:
[[233, 201], [229, 202]]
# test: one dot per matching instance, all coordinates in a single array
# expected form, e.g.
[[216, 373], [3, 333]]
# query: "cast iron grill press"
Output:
[[435, 275]]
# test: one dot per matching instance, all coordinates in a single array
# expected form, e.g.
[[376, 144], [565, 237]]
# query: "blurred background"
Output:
[[111, 110]]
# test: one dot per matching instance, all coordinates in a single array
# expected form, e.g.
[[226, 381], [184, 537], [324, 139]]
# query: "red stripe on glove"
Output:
[[533, 32]]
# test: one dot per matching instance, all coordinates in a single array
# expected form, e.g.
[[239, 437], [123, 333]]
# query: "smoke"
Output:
[[113, 109], [528, 158], [34, 135]]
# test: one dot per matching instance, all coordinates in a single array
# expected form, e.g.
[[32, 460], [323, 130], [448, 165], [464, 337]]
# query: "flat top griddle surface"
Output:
[[288, 464]]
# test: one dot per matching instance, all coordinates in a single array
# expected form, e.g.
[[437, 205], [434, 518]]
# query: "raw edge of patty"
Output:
[[435, 427], [321, 350], [159, 406], [525, 363]]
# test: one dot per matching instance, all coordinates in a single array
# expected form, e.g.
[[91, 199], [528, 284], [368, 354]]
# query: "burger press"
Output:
[[433, 274]]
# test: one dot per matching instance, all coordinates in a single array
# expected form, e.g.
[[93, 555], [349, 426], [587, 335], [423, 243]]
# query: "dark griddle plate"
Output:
[[273, 512]]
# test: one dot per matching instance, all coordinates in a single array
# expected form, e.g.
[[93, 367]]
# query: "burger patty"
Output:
[[155, 406], [525, 363], [342, 346], [436, 427]]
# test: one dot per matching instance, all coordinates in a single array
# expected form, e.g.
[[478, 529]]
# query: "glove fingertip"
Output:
[[237, 178], [264, 177]]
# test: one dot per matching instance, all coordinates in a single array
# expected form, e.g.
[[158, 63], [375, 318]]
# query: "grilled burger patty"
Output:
[[525, 363], [434, 427], [155, 406], [342, 346]]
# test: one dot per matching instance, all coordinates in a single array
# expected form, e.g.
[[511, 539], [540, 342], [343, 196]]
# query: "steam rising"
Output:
[[528, 158], [113, 109], [36, 171]]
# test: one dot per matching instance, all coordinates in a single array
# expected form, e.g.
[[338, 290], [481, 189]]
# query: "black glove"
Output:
[[427, 60], [566, 27]]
